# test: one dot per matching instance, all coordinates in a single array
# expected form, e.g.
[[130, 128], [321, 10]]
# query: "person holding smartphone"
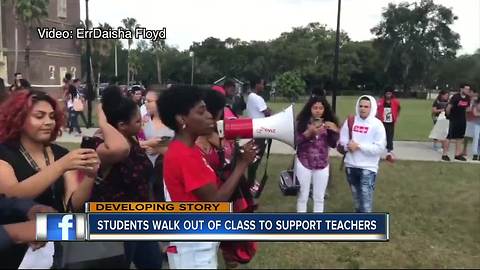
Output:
[[317, 130], [33, 166]]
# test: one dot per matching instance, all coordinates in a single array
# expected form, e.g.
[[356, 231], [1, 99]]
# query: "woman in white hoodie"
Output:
[[364, 149]]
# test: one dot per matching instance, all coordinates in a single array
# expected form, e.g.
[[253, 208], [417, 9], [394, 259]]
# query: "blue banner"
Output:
[[238, 226]]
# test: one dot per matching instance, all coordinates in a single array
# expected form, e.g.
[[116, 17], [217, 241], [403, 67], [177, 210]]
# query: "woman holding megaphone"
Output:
[[221, 156], [187, 175], [316, 131]]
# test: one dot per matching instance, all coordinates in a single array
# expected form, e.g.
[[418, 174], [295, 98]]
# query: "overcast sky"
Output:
[[187, 21]]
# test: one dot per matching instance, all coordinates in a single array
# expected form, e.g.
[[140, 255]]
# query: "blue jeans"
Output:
[[144, 254], [362, 184], [73, 121]]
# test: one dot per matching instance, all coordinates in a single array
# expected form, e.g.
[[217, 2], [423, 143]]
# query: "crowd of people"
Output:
[[164, 146], [457, 118]]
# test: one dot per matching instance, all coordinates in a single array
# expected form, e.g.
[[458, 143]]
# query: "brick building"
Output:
[[49, 59]]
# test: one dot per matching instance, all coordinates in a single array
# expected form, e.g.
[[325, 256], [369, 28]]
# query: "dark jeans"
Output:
[[390, 130], [144, 254], [252, 169], [362, 185], [73, 121]]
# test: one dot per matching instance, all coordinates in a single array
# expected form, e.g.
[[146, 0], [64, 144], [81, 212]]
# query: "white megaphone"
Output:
[[280, 126]]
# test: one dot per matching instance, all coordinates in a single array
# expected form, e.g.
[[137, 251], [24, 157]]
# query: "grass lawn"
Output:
[[434, 219], [414, 123]]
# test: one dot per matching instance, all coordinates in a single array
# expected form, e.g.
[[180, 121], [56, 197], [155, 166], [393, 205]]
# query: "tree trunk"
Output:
[[28, 41], [128, 65], [159, 71], [15, 67]]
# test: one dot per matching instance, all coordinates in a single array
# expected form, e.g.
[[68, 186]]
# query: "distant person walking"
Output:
[[440, 122], [388, 112], [475, 129], [456, 112]]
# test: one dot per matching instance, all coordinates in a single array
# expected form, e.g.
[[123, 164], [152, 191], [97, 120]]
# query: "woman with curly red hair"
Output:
[[32, 166]]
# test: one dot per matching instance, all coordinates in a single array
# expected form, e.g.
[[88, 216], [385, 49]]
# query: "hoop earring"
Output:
[[184, 126]]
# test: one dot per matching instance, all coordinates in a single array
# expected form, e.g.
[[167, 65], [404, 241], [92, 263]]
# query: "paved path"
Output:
[[404, 150]]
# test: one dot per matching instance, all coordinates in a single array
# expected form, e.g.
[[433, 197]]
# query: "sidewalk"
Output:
[[403, 150]]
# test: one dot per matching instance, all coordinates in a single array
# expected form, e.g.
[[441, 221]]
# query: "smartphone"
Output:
[[88, 142], [166, 138], [318, 121]]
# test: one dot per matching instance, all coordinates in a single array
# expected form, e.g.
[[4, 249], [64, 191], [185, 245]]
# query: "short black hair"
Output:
[[463, 85], [389, 89], [255, 80], [136, 88], [228, 83], [214, 101], [68, 76], [117, 108], [24, 84], [318, 91], [178, 100], [365, 98], [17, 73], [72, 90]]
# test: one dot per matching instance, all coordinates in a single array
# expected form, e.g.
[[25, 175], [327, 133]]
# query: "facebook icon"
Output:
[[60, 227]]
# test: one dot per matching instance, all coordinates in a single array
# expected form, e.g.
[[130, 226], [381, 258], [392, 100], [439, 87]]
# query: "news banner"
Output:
[[177, 221]]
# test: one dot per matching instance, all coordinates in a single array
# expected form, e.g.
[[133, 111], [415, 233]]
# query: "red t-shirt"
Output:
[[185, 170]]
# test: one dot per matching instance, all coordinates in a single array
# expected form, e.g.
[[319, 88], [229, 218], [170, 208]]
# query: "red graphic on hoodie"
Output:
[[360, 129]]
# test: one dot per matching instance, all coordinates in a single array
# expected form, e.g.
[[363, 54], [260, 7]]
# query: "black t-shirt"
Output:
[[439, 104], [53, 196], [459, 107]]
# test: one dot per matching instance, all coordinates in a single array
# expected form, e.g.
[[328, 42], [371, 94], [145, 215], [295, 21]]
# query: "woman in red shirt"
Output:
[[187, 175], [220, 156]]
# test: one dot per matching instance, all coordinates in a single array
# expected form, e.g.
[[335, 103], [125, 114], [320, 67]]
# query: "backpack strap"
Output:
[[350, 122]]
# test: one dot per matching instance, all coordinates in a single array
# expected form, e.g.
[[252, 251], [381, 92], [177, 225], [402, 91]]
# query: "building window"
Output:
[[62, 8], [51, 71], [73, 70], [63, 71]]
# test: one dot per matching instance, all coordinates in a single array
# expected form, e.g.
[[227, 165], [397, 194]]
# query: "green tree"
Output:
[[30, 13], [158, 48], [412, 37], [361, 61], [452, 72], [290, 84]]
